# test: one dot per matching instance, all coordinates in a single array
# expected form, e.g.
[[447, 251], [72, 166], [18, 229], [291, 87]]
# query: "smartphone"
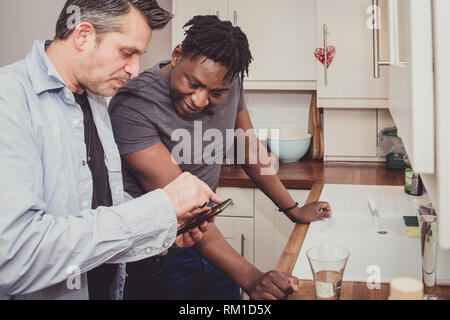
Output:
[[198, 220]]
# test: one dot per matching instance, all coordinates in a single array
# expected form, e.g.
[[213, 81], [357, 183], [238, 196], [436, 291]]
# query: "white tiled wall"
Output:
[[278, 109]]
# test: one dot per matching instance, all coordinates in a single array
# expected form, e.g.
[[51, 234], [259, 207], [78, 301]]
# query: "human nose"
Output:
[[133, 66], [200, 98]]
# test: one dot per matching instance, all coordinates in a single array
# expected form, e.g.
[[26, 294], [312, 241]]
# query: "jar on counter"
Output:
[[413, 183]]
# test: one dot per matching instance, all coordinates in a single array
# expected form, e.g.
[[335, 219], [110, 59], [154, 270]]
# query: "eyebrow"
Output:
[[135, 50], [199, 83]]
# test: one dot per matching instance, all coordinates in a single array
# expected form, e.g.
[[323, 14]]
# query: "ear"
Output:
[[177, 55], [84, 36]]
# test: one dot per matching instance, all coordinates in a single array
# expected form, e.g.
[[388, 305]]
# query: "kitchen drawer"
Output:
[[243, 201]]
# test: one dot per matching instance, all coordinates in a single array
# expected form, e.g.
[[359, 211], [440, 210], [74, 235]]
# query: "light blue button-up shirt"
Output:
[[49, 236]]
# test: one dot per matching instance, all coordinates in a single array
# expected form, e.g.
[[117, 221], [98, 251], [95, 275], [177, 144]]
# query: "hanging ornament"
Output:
[[320, 54]]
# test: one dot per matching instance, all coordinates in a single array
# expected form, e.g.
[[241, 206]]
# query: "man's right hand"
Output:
[[187, 192], [273, 285]]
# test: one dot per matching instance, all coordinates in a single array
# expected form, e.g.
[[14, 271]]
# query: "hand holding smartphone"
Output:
[[198, 220]]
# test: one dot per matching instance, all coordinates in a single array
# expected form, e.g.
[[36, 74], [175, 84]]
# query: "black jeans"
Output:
[[183, 276]]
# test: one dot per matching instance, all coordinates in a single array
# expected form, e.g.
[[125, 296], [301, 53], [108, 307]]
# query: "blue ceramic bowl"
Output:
[[290, 146]]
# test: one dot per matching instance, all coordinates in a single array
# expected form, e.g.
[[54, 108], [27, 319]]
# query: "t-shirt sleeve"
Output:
[[133, 129], [241, 101]]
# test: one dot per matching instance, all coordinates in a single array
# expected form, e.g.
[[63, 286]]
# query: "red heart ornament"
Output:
[[320, 54]]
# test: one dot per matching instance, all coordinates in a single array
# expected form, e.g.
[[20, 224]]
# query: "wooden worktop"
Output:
[[302, 175], [313, 175]]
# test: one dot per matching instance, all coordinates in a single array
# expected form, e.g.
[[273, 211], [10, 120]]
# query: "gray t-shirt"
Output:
[[142, 114]]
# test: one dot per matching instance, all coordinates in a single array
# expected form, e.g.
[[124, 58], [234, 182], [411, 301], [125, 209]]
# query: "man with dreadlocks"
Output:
[[200, 88]]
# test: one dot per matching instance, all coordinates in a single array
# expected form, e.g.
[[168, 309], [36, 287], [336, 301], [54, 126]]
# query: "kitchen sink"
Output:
[[379, 257], [373, 257]]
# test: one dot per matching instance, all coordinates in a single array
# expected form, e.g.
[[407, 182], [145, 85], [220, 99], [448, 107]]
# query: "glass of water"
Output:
[[428, 237], [327, 264]]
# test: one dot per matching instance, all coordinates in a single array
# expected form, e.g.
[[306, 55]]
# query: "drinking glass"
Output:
[[428, 237], [327, 265]]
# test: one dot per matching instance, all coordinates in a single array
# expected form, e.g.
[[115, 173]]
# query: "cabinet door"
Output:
[[184, 10], [275, 36], [272, 229], [438, 184], [412, 84], [239, 234], [350, 77]]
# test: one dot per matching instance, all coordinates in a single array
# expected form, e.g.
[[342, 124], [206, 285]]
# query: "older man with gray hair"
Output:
[[66, 229]]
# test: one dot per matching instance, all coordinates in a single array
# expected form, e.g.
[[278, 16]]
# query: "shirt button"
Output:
[[85, 204], [67, 95], [76, 122], [148, 251], [166, 244]]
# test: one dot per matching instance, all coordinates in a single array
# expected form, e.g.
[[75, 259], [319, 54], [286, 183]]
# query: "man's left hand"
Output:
[[191, 237], [311, 212]]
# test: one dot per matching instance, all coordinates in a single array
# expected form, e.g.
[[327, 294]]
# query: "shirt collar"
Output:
[[43, 74]]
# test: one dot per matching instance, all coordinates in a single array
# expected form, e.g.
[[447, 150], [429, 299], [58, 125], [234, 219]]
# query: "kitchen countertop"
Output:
[[313, 175], [303, 175]]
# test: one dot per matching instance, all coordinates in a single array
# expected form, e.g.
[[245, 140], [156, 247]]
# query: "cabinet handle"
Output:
[[325, 45], [243, 256], [376, 41], [235, 14], [242, 245]]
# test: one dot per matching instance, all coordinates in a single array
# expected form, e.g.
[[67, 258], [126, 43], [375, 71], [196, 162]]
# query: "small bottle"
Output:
[[406, 289], [413, 181]]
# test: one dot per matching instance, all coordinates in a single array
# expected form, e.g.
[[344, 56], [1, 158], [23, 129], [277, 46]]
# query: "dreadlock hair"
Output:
[[218, 41]]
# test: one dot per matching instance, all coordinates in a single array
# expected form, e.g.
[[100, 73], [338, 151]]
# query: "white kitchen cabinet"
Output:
[[236, 223], [243, 201], [283, 53], [184, 10], [419, 96], [253, 227], [272, 229], [349, 81], [239, 234], [412, 83]]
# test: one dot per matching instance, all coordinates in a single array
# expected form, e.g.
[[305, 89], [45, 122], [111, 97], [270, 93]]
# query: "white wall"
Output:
[[278, 109], [161, 45], [24, 21]]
